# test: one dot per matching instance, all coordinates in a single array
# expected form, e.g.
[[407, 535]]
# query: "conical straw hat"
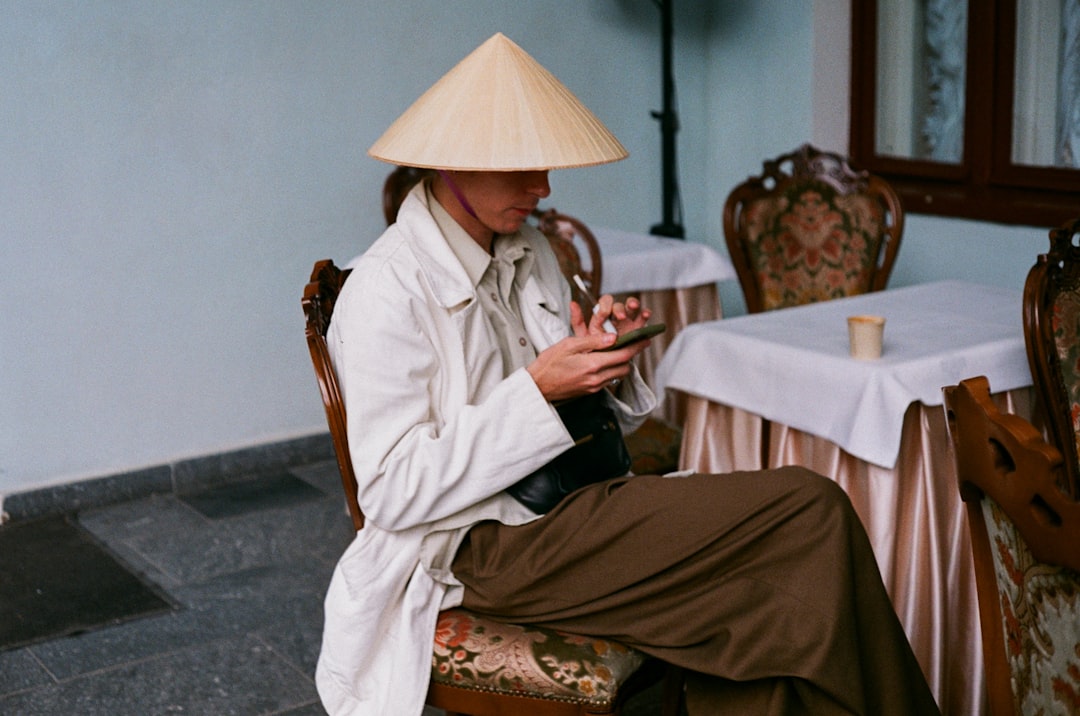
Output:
[[498, 110]]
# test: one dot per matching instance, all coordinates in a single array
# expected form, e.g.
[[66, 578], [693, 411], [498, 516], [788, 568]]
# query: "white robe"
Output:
[[436, 432]]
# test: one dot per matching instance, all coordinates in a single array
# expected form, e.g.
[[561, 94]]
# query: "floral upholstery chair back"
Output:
[[1052, 334], [810, 228], [1025, 535]]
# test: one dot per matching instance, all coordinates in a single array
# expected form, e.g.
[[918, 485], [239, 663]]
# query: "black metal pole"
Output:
[[669, 125]]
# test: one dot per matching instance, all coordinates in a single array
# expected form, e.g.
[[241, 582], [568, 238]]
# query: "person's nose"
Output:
[[538, 184]]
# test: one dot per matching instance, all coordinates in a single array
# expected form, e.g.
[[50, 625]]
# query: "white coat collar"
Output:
[[450, 283]]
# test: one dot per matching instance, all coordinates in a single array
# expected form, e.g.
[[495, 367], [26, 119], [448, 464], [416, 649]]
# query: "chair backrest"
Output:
[[564, 232], [320, 295], [1052, 335], [398, 184], [1025, 535], [811, 228]]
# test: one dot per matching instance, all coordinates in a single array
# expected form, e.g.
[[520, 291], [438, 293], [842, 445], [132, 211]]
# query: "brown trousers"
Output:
[[762, 584]]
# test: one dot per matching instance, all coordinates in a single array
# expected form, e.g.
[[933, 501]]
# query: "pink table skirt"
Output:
[[913, 515]]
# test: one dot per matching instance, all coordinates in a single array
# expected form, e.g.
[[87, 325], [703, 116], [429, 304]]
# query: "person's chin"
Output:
[[511, 226]]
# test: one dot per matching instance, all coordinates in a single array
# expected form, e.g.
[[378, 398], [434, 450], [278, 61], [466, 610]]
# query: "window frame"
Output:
[[985, 185]]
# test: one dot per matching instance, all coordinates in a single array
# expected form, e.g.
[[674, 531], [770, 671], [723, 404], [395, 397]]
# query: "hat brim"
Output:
[[498, 110]]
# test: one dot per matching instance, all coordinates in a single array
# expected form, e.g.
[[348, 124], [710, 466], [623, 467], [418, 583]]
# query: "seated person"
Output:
[[453, 339]]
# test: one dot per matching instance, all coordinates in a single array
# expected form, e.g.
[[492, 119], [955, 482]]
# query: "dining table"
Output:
[[676, 279], [781, 388]]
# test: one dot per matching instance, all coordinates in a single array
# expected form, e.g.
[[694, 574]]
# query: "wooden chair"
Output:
[[1052, 335], [536, 670], [1025, 535], [811, 228]]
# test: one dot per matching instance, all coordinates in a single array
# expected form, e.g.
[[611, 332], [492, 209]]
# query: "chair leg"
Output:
[[674, 684], [766, 433]]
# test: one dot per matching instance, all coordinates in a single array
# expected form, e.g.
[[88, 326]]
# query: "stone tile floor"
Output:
[[245, 636]]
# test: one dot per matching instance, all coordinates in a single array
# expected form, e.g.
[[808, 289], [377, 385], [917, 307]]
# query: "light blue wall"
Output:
[[170, 171]]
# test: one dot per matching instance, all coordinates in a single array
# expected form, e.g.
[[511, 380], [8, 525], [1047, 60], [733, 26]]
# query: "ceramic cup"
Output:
[[865, 334]]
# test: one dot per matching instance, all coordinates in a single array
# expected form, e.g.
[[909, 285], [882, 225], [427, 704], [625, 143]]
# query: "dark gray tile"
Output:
[[128, 520], [181, 477], [316, 710], [250, 589], [284, 602], [59, 580], [225, 677], [19, 670], [268, 490], [323, 475], [122, 525], [297, 640], [187, 547], [87, 494], [203, 472]]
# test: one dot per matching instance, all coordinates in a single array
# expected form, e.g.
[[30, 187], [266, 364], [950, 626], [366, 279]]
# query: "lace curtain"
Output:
[[1069, 91], [1046, 102], [945, 53], [921, 85]]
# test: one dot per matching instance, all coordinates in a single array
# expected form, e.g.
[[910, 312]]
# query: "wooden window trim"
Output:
[[986, 185]]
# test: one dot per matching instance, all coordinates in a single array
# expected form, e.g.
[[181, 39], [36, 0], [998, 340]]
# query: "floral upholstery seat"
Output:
[[1025, 536], [811, 229], [474, 652]]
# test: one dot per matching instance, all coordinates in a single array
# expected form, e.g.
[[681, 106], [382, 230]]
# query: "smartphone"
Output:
[[638, 334]]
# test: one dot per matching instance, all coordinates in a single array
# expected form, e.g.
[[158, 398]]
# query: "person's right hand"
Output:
[[575, 365]]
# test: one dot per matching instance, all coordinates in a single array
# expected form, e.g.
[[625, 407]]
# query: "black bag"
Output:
[[599, 453]]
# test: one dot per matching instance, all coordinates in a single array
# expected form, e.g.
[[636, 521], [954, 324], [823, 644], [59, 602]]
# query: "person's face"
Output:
[[503, 200]]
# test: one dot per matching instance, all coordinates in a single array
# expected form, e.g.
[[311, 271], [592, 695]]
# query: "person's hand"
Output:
[[576, 365], [624, 317]]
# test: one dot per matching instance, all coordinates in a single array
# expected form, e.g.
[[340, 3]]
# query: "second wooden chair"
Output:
[[811, 228], [1025, 537]]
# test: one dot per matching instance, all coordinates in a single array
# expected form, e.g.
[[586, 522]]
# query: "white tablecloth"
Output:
[[639, 262], [792, 366]]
